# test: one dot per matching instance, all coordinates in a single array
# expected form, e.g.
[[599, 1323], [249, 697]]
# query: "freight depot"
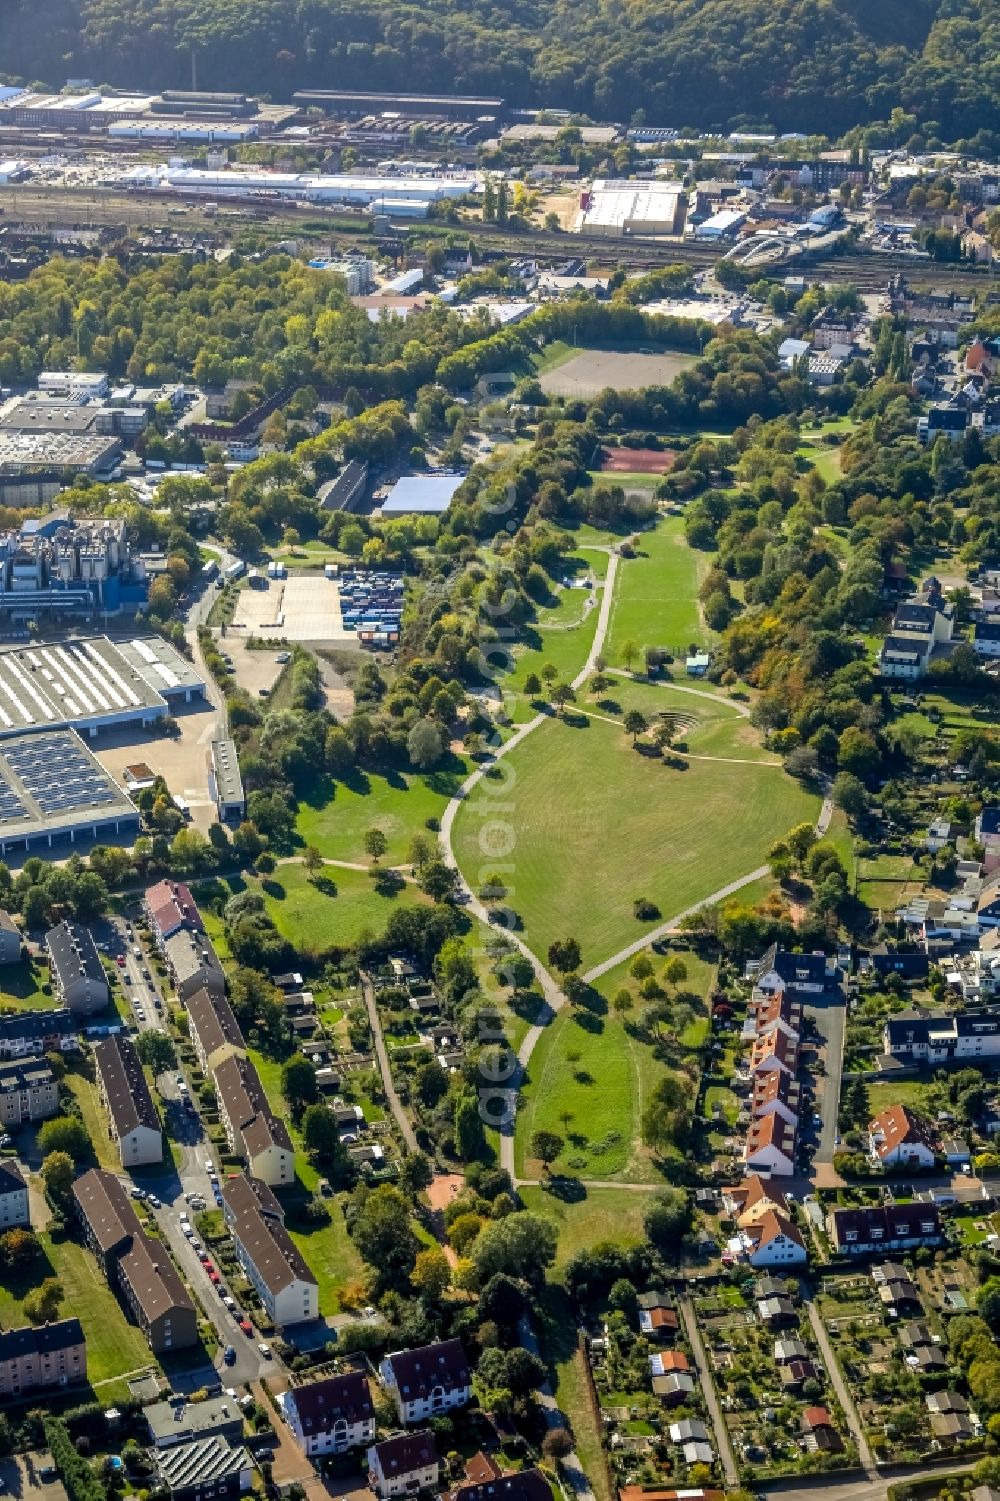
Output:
[[388, 193]]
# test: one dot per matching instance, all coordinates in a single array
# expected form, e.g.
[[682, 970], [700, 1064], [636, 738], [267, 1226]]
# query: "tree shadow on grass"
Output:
[[588, 1022], [273, 889]]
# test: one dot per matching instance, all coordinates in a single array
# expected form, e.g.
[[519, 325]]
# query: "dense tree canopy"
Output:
[[796, 64]]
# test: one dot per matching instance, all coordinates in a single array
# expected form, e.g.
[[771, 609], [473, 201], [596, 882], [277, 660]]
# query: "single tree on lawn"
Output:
[[563, 694], [634, 723], [532, 685], [629, 651], [546, 1146], [663, 734], [376, 844], [622, 1001], [57, 1174], [675, 971], [599, 683], [564, 955], [312, 860], [549, 673], [41, 1304], [298, 1084]]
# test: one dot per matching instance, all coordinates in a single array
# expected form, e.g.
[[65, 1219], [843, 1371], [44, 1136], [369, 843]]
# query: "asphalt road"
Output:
[[830, 1017]]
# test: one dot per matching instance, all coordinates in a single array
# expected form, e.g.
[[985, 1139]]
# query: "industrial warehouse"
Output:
[[92, 684], [53, 789], [408, 196]]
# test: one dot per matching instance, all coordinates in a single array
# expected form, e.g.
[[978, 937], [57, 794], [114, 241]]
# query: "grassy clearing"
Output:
[[94, 1119], [594, 825], [552, 356], [336, 817], [27, 984], [656, 600], [719, 729], [911, 1092], [114, 1346], [585, 1082], [313, 919], [590, 1077], [629, 479], [331, 1257], [602, 1214]]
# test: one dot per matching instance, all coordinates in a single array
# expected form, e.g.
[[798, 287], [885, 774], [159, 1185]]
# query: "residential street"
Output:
[[830, 1017]]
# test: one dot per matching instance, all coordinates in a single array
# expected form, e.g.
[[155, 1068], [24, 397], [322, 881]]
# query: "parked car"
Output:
[[229, 1355], [265, 1350]]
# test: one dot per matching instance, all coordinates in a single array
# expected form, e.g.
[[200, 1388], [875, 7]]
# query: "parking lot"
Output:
[[302, 607], [182, 759]]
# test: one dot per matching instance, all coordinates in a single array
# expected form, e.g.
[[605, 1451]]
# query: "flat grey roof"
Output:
[[50, 781], [159, 664], [226, 766], [48, 416]]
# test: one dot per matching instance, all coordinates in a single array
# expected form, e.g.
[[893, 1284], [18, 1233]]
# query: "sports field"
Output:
[[589, 824], [656, 596], [589, 371], [637, 460]]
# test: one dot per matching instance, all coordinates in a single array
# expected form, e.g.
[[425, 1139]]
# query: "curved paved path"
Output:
[[554, 999]]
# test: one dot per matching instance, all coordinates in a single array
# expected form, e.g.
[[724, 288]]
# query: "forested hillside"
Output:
[[816, 65]]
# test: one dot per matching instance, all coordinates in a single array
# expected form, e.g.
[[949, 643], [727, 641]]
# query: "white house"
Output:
[[770, 1147], [427, 1381], [13, 1197], [403, 1465], [780, 970], [897, 1139], [774, 1242], [331, 1416]]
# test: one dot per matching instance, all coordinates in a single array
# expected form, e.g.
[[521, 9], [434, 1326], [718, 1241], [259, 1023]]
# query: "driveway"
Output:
[[704, 1372], [840, 1386]]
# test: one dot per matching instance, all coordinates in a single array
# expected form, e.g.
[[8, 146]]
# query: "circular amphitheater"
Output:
[[679, 724]]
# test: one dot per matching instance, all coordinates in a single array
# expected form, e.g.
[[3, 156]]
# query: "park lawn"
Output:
[[656, 599], [700, 980], [587, 1068], [312, 920], [601, 1214], [331, 1257], [706, 726], [114, 1346], [591, 824], [840, 836], [337, 815]]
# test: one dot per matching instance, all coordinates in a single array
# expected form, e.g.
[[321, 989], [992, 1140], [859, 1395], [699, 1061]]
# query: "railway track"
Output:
[[95, 208]]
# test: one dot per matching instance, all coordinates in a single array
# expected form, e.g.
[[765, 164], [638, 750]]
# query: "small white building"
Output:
[[330, 1416], [427, 1381], [404, 1465]]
